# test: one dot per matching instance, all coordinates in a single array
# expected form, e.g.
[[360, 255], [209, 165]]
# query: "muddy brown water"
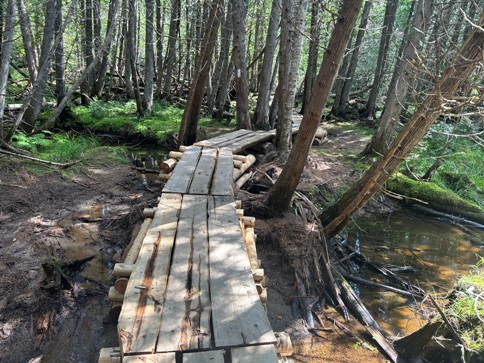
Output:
[[439, 250]]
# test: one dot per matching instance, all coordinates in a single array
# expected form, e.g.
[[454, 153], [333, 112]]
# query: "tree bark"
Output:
[[6, 55], [160, 29], [131, 56], [30, 56], [149, 55], [293, 20], [401, 80], [387, 31], [241, 84], [452, 78], [60, 81], [261, 113], [188, 128], [172, 37], [279, 196]]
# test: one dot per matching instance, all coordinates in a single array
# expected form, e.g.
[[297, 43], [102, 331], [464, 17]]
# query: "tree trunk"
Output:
[[6, 55], [131, 56], [261, 113], [171, 55], [241, 84], [96, 14], [101, 79], [339, 109], [188, 128], [293, 19], [60, 81], [88, 49], [279, 196], [453, 77], [149, 56], [401, 80], [312, 68], [30, 56], [160, 29], [387, 31], [32, 112], [220, 71], [224, 88]]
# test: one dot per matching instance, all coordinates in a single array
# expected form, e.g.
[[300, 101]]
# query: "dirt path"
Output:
[[61, 220]]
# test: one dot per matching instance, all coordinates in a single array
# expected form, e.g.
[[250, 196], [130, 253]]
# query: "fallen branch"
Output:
[[52, 163]]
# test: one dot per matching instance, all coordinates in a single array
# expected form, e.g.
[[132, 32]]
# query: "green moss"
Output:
[[436, 196]]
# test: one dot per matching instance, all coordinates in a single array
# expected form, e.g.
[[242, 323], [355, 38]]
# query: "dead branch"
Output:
[[52, 163]]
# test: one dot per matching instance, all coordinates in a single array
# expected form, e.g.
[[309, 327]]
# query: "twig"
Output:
[[53, 163], [446, 321]]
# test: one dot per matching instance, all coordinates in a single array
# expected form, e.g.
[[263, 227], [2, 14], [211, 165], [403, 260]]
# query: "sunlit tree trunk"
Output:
[[401, 81], [241, 84], [7, 44], [279, 196], [131, 55], [293, 19], [453, 77], [60, 82], [88, 86], [261, 113], [188, 128], [387, 31], [30, 56], [160, 29], [149, 56]]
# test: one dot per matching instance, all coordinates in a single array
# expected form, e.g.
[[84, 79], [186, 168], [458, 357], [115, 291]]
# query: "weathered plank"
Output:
[[238, 315], [223, 182], [185, 322], [212, 356], [255, 354], [139, 320], [256, 138], [181, 178], [215, 141], [202, 176], [151, 358]]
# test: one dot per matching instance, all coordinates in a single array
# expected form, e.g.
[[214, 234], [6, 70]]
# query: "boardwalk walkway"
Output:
[[189, 290]]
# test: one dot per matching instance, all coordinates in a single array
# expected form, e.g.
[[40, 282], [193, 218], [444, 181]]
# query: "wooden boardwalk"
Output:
[[191, 294]]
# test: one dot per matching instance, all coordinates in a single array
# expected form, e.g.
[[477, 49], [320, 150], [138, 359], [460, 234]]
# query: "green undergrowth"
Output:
[[466, 308], [120, 118]]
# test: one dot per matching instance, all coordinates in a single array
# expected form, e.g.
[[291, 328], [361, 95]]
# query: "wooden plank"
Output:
[[223, 182], [255, 353], [202, 176], [139, 320], [238, 317], [254, 139], [185, 322], [213, 142], [211, 356], [181, 178], [151, 358]]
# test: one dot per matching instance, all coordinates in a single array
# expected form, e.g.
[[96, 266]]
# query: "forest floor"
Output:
[[59, 233]]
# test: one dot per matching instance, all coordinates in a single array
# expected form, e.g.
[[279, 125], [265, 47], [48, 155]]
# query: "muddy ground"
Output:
[[60, 233]]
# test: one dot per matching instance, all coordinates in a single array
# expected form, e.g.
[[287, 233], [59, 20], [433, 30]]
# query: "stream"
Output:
[[440, 251]]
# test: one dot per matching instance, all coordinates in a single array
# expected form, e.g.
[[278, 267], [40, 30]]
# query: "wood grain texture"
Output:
[[255, 354], [185, 322], [139, 320], [151, 358], [181, 178], [215, 141], [203, 173], [238, 315], [212, 356], [223, 182]]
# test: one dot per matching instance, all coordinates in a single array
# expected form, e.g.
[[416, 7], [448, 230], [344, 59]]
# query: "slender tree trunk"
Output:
[[60, 81], [149, 56], [101, 79], [160, 30], [88, 48], [261, 113], [96, 14], [32, 112], [223, 59], [6, 55], [224, 88], [293, 19], [131, 51], [279, 196], [387, 31], [30, 56], [312, 68], [400, 82], [2, 14], [453, 77], [239, 56], [188, 128], [172, 37], [339, 109]]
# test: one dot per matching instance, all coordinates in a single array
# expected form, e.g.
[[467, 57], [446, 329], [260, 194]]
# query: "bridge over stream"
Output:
[[191, 288]]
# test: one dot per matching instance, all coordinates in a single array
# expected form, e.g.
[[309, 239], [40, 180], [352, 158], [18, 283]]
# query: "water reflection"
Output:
[[439, 250]]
